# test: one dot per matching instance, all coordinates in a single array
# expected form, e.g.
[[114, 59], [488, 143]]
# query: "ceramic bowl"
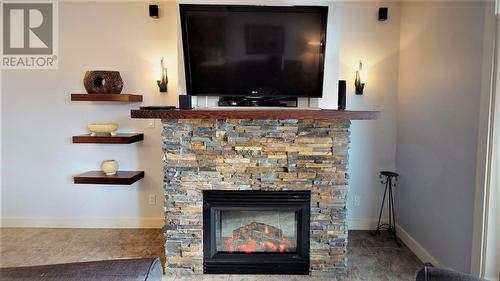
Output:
[[103, 128], [109, 167]]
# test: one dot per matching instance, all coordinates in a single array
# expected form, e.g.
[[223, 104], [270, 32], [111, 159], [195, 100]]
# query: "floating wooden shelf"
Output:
[[98, 177], [119, 138], [107, 97]]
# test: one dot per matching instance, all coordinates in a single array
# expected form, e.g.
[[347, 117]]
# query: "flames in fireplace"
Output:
[[258, 237]]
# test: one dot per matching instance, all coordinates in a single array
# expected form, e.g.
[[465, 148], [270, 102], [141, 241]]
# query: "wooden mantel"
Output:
[[230, 113]]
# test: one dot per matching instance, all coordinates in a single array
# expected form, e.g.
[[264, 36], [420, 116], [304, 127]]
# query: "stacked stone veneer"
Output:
[[255, 155]]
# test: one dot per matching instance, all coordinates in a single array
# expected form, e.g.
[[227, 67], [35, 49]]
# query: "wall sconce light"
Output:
[[164, 79], [357, 82]]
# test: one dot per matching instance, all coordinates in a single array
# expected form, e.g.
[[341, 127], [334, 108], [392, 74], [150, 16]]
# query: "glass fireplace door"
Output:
[[256, 231]]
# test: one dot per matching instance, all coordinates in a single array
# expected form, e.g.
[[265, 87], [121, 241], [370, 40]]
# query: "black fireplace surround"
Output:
[[256, 232]]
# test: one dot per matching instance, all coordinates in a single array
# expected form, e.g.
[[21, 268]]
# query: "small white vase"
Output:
[[109, 167]]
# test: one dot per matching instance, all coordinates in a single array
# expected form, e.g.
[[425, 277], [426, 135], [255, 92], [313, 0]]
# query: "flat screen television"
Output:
[[256, 51]]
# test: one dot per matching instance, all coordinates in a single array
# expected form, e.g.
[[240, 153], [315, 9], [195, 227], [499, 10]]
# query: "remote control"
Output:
[[157, 107]]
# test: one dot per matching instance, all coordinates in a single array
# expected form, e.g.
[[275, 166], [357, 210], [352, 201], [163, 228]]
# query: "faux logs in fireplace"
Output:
[[256, 232]]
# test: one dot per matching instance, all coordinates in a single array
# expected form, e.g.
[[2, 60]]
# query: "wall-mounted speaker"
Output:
[[153, 11], [342, 98], [383, 13]]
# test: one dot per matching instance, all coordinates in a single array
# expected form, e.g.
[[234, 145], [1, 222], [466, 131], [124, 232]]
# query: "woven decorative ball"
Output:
[[103, 82]]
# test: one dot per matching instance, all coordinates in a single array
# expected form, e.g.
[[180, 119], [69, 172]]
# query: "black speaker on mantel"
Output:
[[185, 102], [342, 99]]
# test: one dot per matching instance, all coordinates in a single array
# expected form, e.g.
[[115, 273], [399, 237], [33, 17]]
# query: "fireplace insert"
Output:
[[256, 232]]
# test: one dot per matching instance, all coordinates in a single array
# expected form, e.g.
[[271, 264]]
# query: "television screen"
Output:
[[258, 51]]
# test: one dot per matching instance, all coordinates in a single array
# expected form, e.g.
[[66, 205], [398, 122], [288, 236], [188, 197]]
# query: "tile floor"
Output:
[[370, 258]]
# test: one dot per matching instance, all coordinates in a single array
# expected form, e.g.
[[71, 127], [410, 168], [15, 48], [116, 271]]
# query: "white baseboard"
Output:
[[415, 247], [25, 222]]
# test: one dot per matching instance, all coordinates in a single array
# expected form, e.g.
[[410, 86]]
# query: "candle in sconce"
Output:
[[162, 83]]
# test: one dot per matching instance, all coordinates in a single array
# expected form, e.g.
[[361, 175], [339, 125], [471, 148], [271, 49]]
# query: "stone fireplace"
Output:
[[206, 230]]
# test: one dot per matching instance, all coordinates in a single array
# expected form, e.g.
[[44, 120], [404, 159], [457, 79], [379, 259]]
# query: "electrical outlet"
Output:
[[151, 123], [152, 199], [357, 201]]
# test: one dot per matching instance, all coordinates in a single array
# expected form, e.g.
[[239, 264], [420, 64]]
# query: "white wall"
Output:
[[39, 119], [373, 143], [438, 116], [39, 160]]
